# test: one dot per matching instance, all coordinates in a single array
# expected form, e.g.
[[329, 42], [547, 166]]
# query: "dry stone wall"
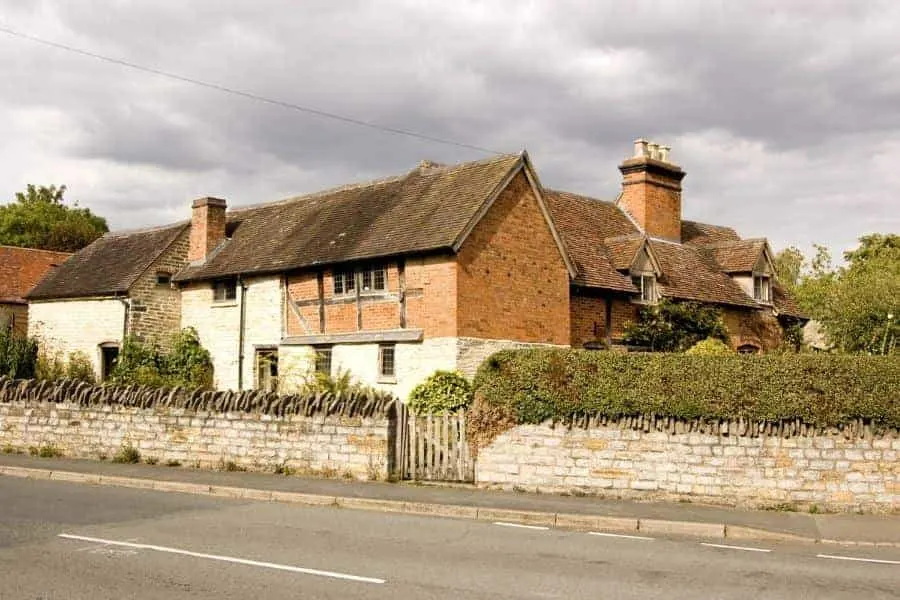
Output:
[[788, 466], [326, 435]]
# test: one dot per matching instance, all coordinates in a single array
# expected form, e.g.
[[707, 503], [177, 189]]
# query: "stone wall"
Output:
[[829, 470], [345, 436], [155, 308]]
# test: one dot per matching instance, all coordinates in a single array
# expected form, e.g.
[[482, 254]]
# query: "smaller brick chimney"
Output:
[[207, 227], [651, 190]]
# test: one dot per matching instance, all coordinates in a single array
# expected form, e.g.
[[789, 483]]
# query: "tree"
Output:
[[675, 326], [872, 246], [788, 267], [39, 218]]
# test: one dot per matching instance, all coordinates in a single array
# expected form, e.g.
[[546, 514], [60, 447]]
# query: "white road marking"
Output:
[[856, 559], [621, 535], [520, 526], [726, 546], [229, 559]]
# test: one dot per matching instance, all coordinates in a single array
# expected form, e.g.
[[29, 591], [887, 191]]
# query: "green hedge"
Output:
[[532, 386]]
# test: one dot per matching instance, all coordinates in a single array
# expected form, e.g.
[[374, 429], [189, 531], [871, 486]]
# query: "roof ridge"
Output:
[[127, 232], [729, 243], [431, 168], [7, 246]]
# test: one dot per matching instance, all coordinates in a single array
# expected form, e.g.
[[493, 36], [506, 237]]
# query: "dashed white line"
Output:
[[621, 535], [728, 547], [520, 526], [857, 559], [228, 559]]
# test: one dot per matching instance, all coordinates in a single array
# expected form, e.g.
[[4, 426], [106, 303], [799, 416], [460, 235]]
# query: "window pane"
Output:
[[338, 284], [386, 356], [647, 291], [323, 360], [366, 280], [218, 292], [379, 278], [349, 282], [230, 290]]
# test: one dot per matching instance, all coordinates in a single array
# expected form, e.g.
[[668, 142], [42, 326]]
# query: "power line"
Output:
[[244, 94]]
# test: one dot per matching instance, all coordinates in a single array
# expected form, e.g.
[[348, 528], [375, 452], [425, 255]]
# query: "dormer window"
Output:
[[762, 288], [646, 284]]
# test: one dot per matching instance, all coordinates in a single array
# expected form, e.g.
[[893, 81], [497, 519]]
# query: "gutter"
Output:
[[241, 327]]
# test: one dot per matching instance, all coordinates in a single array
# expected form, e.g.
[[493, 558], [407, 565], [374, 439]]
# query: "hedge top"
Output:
[[536, 385]]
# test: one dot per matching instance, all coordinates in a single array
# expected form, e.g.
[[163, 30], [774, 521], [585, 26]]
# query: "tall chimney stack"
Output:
[[651, 190], [207, 227]]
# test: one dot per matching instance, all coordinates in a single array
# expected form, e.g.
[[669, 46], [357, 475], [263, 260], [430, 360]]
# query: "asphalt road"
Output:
[[60, 540]]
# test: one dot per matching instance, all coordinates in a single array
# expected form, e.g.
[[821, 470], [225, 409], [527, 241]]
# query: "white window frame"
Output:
[[763, 291], [348, 281], [648, 293], [382, 375], [226, 285]]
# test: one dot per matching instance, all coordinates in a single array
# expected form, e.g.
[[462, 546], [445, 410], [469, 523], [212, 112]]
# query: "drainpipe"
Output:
[[243, 320]]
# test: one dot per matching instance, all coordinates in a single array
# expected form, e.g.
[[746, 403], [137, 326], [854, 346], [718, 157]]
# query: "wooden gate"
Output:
[[433, 447]]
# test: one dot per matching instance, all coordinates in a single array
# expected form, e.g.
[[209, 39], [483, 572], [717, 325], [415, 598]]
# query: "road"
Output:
[[62, 540]]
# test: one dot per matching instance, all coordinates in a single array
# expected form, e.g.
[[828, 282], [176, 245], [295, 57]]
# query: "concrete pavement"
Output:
[[142, 544], [467, 502]]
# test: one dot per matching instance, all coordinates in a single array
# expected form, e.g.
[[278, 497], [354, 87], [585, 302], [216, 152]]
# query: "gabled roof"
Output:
[[429, 209], [22, 268], [584, 224], [738, 256], [604, 241], [109, 266]]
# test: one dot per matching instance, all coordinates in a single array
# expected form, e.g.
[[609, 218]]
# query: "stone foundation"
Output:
[[829, 470]]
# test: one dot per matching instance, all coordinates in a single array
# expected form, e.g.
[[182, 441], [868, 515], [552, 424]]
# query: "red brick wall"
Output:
[[758, 328], [207, 227], [653, 198], [512, 280], [431, 301], [588, 318]]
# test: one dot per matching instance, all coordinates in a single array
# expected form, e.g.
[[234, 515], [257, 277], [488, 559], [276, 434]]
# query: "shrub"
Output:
[[79, 367], [127, 454], [532, 386], [187, 364], [49, 451], [18, 355], [673, 326], [710, 347], [340, 384], [443, 391], [50, 367]]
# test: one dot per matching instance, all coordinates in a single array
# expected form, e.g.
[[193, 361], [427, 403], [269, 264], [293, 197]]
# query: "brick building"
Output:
[[433, 269], [20, 270]]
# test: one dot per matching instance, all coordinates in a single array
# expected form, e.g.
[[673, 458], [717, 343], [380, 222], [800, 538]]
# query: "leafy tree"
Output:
[[675, 326], [872, 246], [788, 267], [39, 218]]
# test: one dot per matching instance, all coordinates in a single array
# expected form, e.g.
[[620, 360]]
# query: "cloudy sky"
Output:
[[785, 114]]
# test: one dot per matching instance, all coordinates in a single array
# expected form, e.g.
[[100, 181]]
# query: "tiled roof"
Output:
[[425, 210], [738, 256], [623, 249], [690, 274], [584, 223], [108, 266], [22, 268], [703, 234], [784, 304]]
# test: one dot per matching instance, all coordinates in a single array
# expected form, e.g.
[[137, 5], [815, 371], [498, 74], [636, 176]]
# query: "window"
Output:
[[344, 283], [386, 363], [163, 278], [225, 290], [371, 280], [267, 370], [647, 286], [109, 356], [748, 349], [762, 288], [323, 360]]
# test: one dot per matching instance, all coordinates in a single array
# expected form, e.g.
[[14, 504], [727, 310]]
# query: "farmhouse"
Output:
[[390, 280]]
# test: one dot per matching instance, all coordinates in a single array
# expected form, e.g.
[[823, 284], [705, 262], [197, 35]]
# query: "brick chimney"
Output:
[[651, 190], [207, 227]]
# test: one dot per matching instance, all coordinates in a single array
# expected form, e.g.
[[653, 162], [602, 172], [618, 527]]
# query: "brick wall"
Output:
[[15, 317], [320, 445], [513, 282], [66, 326], [651, 193], [155, 311], [826, 469], [432, 292], [759, 328]]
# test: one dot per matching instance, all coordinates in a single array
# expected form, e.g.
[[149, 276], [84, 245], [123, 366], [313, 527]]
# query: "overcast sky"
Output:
[[785, 114]]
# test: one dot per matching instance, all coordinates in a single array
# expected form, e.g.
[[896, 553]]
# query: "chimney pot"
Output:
[[640, 148], [654, 150], [664, 153]]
